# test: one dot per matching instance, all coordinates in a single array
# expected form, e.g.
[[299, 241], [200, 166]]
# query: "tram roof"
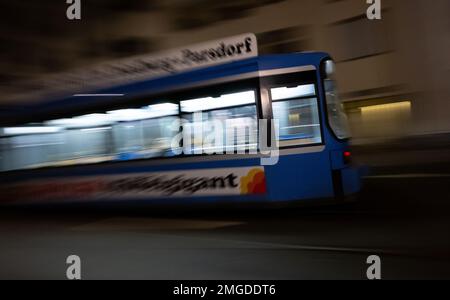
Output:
[[195, 77]]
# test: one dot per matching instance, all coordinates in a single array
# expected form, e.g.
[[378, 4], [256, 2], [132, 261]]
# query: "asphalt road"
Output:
[[403, 218]]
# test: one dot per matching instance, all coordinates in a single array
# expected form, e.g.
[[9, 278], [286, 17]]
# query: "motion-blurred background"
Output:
[[393, 73], [393, 77]]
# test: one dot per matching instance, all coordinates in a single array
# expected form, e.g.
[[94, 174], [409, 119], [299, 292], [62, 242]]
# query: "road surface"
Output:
[[402, 216]]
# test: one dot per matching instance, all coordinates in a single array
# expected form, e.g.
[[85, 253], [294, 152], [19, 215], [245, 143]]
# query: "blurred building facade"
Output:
[[393, 72]]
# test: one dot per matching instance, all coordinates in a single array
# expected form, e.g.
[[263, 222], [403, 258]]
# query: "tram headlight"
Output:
[[329, 69]]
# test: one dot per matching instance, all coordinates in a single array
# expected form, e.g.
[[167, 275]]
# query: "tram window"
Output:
[[335, 110], [135, 133], [145, 138], [296, 110], [145, 132], [24, 151], [114, 135], [215, 125], [337, 118]]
